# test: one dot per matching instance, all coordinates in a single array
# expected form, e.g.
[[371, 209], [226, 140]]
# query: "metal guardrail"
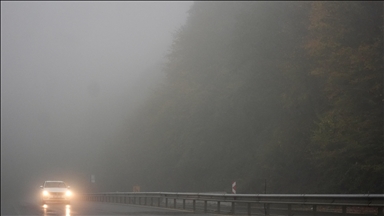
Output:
[[252, 204]]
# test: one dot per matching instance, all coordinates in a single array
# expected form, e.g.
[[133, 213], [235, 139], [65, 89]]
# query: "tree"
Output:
[[346, 41]]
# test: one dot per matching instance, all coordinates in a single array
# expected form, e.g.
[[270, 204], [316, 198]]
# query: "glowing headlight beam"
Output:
[[68, 193]]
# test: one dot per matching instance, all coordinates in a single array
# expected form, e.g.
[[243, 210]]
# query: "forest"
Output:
[[287, 94]]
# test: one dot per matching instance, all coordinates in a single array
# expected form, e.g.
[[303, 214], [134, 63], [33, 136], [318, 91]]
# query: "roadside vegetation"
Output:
[[287, 93]]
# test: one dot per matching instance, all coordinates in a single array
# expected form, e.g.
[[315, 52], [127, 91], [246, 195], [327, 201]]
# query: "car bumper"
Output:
[[55, 199]]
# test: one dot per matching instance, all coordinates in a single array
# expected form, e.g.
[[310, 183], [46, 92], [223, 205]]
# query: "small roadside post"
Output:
[[234, 187], [93, 181]]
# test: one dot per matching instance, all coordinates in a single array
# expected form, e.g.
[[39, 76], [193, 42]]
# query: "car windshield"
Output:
[[55, 185]]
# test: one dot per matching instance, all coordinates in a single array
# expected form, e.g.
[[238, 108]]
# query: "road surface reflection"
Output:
[[56, 209]]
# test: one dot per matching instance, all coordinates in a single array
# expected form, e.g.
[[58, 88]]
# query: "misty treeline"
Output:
[[287, 93]]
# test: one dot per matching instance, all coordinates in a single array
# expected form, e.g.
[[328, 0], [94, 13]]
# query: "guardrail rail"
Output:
[[252, 204]]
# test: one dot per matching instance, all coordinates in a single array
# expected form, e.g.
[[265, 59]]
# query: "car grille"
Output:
[[57, 193]]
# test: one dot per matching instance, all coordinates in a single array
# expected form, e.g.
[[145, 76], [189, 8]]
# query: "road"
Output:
[[87, 208], [33, 207]]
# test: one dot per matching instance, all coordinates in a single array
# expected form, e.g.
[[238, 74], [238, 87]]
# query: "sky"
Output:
[[71, 74]]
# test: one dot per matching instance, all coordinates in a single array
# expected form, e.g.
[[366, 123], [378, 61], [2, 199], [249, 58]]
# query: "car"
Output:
[[55, 191]]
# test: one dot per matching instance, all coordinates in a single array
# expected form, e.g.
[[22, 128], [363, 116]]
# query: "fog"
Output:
[[71, 74]]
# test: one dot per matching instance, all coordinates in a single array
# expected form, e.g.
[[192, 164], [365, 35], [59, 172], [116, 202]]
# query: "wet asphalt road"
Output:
[[87, 208]]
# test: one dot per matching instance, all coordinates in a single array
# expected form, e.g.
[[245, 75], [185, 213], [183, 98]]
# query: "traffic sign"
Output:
[[234, 187]]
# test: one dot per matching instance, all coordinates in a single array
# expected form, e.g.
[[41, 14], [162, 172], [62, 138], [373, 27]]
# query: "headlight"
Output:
[[68, 193], [45, 193]]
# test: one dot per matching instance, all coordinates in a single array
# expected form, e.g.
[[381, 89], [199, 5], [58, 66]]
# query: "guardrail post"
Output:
[[289, 210], [314, 210], [205, 206], [194, 205], [266, 207], [183, 203], [233, 208], [145, 200], [166, 202], [151, 201], [158, 202], [218, 207], [174, 203], [344, 210], [249, 208]]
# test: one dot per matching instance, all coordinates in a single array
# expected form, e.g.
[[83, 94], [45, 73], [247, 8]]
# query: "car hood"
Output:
[[55, 189]]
